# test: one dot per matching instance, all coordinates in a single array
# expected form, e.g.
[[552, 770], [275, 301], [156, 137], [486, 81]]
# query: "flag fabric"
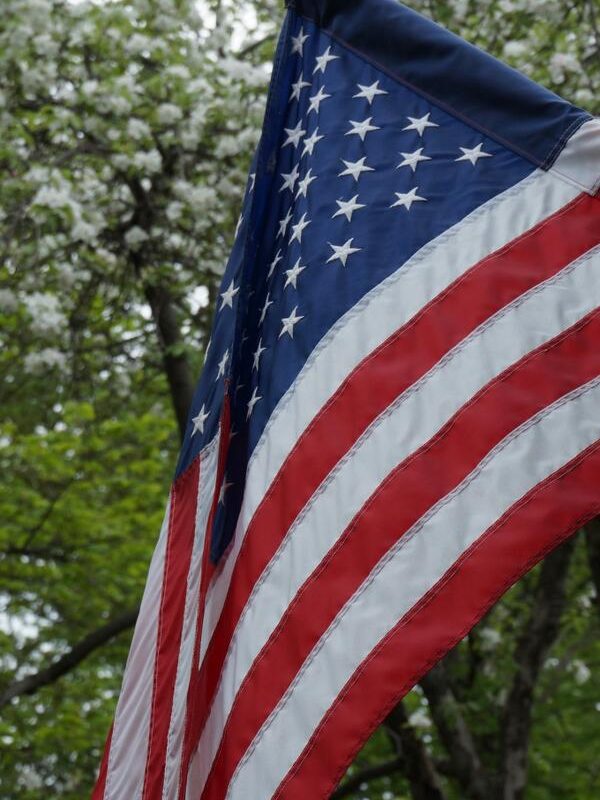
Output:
[[399, 412]]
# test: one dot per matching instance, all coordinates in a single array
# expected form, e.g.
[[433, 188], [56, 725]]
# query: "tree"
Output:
[[127, 130]]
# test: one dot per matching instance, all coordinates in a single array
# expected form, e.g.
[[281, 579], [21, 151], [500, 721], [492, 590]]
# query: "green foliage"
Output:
[[126, 130]]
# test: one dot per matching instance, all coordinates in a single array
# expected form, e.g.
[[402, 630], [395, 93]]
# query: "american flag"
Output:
[[398, 416]]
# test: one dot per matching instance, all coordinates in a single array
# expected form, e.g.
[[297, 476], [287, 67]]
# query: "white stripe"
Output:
[[532, 320], [377, 315], [206, 488], [525, 458], [579, 162], [129, 746]]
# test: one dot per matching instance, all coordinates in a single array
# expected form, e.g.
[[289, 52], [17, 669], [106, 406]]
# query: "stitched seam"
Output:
[[203, 487], [187, 748], [376, 423], [109, 771], [415, 387], [426, 600], [169, 548], [392, 476], [400, 544], [371, 429], [560, 143], [200, 455], [413, 263]]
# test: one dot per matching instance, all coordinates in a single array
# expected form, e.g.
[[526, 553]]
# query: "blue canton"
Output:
[[367, 172]]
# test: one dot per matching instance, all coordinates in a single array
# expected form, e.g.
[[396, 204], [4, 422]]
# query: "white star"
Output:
[[290, 178], [263, 313], [199, 420], [407, 199], [298, 42], [224, 486], [252, 402], [473, 154], [362, 128], [412, 159], [258, 353], [294, 135], [419, 124], [283, 223], [342, 251], [348, 207], [323, 60], [369, 92], [297, 87], [310, 142], [298, 228], [305, 183], [292, 274], [289, 322], [354, 168], [228, 295], [276, 260], [316, 100], [223, 364], [239, 225]]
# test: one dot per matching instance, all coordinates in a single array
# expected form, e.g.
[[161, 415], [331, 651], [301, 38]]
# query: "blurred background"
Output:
[[126, 132]]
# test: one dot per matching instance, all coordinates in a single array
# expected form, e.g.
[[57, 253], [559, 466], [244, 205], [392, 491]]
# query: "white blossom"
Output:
[[178, 71], [420, 718], [491, 637], [515, 49], [562, 63], [135, 237], [83, 231], [148, 161], [89, 88], [138, 43], [581, 671], [198, 197], [44, 310], [174, 210], [8, 300], [138, 129], [40, 360], [168, 113], [52, 197]]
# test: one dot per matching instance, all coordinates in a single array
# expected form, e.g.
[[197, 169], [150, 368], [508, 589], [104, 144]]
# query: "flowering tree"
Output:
[[126, 132]]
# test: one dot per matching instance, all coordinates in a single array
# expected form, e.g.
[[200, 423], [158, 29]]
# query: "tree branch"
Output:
[[177, 368], [354, 783], [164, 314], [249, 48], [71, 659], [536, 639], [418, 765], [454, 734]]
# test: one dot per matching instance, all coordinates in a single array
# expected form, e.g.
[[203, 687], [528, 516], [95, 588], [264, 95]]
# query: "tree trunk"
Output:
[[177, 368]]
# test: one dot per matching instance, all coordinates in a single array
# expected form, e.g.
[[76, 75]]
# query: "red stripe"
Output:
[[557, 368], [393, 367], [194, 696], [98, 793], [184, 496], [535, 525]]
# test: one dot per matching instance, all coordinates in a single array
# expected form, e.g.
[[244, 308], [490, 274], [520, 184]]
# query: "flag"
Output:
[[399, 412]]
